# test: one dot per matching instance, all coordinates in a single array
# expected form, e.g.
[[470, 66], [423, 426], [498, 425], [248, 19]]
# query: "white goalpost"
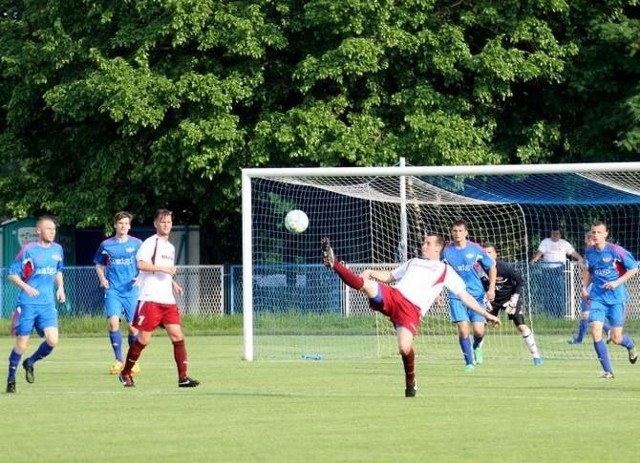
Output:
[[293, 307]]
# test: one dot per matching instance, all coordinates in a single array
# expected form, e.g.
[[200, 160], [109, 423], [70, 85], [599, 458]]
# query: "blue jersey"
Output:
[[465, 262], [119, 261], [37, 266], [605, 266]]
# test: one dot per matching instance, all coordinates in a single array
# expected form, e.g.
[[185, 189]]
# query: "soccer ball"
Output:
[[296, 221]]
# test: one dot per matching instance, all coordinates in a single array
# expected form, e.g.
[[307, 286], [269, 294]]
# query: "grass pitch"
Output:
[[315, 411]]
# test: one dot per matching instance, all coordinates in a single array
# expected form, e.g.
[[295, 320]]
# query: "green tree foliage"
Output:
[[139, 104]]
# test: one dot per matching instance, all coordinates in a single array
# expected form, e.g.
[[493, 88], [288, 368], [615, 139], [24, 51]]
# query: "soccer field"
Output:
[[315, 411]]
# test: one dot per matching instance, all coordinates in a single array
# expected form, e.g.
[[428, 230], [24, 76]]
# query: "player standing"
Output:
[[157, 303], [419, 282], [37, 271], [464, 256], [117, 270], [608, 268], [509, 285]]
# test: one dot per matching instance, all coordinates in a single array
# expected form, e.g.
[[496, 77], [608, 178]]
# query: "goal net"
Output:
[[295, 308]]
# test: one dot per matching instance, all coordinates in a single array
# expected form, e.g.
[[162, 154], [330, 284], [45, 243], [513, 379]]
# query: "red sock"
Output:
[[408, 360], [350, 279], [132, 356], [180, 355]]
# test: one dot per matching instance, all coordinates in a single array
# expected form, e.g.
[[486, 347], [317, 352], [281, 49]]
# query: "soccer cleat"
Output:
[[410, 390], [126, 380], [29, 374], [633, 355], [188, 382], [606, 375], [574, 341], [609, 337], [469, 368], [11, 387], [136, 368], [328, 257], [478, 355], [537, 361], [116, 368]]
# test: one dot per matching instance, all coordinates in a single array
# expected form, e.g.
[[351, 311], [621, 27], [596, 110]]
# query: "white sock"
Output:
[[530, 341]]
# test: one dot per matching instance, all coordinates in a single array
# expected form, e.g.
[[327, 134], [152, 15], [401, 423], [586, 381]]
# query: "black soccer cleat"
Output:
[[328, 257], [11, 387], [188, 382], [29, 373], [410, 390], [633, 355], [126, 379]]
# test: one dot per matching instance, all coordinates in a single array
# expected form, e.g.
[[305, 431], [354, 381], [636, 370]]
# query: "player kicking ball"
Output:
[[418, 283], [509, 284]]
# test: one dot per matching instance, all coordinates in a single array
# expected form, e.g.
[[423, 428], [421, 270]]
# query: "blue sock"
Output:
[[132, 339], [465, 345], [43, 350], [14, 361], [582, 330], [606, 328], [603, 355], [116, 343], [627, 342], [477, 341]]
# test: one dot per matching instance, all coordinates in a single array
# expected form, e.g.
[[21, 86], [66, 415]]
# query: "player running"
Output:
[[608, 268], [37, 271], [419, 282]]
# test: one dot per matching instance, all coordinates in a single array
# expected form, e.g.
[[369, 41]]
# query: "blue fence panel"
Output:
[[288, 287]]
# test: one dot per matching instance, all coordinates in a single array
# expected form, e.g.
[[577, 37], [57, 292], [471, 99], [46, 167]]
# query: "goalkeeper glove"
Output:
[[511, 305]]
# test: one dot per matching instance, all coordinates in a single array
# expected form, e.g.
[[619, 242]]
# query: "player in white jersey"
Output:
[[419, 282], [156, 301]]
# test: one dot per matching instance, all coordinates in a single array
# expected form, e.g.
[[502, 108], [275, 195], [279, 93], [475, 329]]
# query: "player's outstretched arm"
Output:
[[470, 302]]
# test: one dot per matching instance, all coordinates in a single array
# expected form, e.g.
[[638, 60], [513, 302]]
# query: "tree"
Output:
[[136, 105]]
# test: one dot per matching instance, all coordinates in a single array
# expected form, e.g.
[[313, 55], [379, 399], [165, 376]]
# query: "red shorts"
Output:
[[398, 308], [150, 315]]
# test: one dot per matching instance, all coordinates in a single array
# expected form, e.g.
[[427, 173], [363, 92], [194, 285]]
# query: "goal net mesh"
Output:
[[302, 310]]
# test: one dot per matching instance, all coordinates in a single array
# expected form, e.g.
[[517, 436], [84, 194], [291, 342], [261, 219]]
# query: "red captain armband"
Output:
[[27, 269]]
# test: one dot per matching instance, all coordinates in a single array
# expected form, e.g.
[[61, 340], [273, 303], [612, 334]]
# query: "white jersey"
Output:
[[422, 280], [555, 251], [156, 286]]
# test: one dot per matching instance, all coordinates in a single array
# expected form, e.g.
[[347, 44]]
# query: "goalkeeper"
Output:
[[508, 289]]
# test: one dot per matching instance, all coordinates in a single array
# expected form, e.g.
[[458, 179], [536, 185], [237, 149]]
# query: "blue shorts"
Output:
[[601, 312], [460, 313], [118, 305], [29, 317]]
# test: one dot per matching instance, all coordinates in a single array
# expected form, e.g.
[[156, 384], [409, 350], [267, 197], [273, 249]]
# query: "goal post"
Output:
[[376, 216]]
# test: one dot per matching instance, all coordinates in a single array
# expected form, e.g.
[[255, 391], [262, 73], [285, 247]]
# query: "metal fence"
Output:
[[217, 290], [204, 291]]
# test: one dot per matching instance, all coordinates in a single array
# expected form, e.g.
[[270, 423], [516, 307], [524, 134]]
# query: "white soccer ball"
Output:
[[296, 221]]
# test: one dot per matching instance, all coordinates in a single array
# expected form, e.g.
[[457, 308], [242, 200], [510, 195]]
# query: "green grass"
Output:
[[347, 411]]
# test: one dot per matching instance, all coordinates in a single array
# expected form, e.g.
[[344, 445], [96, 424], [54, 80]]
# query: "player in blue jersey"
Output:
[[117, 271], [464, 256], [37, 271], [608, 268], [583, 326]]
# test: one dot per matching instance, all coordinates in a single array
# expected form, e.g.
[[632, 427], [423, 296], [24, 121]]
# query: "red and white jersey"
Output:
[[422, 280], [156, 286]]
